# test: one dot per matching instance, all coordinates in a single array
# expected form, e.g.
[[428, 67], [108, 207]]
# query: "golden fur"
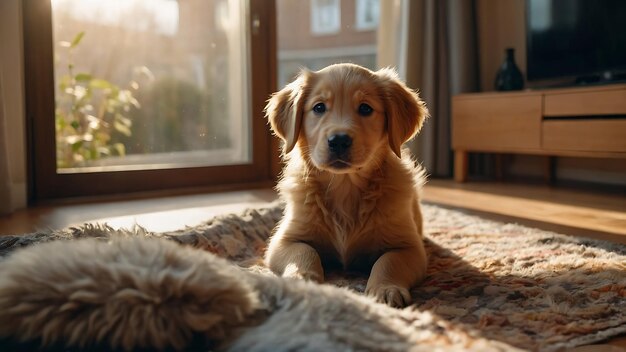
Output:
[[354, 205], [126, 294]]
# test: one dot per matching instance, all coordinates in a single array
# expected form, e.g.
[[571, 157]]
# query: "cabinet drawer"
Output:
[[497, 123], [607, 102], [597, 135]]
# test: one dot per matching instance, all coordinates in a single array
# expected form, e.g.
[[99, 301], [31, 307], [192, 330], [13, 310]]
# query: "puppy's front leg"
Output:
[[295, 259], [394, 273]]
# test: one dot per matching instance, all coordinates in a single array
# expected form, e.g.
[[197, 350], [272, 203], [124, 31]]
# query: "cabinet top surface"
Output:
[[542, 91]]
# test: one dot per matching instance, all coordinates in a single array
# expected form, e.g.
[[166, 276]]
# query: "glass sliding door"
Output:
[[136, 95], [150, 84]]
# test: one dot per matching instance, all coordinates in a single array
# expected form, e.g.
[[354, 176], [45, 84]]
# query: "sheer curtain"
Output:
[[5, 196], [432, 43], [12, 120]]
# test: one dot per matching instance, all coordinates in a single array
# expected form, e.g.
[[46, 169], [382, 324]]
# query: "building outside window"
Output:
[[339, 31]]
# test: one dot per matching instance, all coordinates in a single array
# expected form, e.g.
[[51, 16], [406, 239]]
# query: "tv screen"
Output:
[[575, 38]]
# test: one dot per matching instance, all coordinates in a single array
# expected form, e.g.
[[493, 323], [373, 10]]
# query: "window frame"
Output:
[[44, 181]]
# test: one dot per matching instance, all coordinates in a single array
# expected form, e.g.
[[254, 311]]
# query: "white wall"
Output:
[[12, 104]]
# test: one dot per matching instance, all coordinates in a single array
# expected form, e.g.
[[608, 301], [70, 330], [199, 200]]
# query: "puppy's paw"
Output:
[[309, 275], [392, 295]]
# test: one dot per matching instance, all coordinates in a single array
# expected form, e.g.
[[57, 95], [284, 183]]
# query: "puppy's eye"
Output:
[[365, 110], [319, 108]]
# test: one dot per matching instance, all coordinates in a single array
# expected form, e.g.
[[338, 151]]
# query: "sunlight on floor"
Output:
[[172, 220], [154, 214]]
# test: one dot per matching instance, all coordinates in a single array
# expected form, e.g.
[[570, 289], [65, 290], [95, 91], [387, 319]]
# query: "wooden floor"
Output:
[[578, 213], [599, 215], [572, 212], [155, 214]]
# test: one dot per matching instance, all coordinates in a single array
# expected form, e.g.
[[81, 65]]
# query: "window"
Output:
[[367, 14], [147, 84], [325, 17], [140, 95]]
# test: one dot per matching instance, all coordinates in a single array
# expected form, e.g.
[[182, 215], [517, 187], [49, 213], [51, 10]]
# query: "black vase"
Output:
[[509, 76]]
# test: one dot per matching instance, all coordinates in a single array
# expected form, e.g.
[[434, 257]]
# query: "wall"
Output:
[[502, 24], [12, 102]]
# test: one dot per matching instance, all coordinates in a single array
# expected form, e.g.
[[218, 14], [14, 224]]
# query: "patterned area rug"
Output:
[[524, 287]]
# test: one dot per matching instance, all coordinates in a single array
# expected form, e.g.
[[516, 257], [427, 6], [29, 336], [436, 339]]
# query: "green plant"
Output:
[[89, 112]]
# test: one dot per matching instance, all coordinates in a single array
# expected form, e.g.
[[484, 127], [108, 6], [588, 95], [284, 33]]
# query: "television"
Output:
[[579, 41]]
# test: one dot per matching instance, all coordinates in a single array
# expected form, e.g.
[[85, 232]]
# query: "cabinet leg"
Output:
[[549, 171], [497, 161], [501, 163], [460, 165]]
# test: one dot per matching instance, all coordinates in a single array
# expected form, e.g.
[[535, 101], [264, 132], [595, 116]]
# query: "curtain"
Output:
[[433, 44], [5, 196], [12, 121]]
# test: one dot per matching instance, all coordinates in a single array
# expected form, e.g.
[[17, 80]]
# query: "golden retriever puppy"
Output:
[[351, 193]]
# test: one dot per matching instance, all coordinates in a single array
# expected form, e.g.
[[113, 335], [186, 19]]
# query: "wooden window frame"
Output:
[[46, 184]]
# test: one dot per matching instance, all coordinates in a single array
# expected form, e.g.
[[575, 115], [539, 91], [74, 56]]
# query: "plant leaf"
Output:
[[120, 149], [100, 83], [76, 146], [83, 77], [77, 39], [93, 154], [102, 137], [124, 120], [121, 128]]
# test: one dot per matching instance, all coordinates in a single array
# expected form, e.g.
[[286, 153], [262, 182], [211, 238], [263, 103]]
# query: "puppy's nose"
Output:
[[339, 143]]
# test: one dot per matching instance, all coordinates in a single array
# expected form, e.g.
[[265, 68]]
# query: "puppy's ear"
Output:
[[404, 110], [285, 110]]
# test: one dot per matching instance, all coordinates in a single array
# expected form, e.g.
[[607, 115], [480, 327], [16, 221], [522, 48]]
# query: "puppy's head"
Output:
[[344, 116]]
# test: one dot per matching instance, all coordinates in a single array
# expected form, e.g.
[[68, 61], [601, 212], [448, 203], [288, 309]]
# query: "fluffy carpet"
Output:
[[489, 284]]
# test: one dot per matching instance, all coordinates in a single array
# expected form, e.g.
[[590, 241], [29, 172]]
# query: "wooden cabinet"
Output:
[[585, 102], [589, 122], [497, 123], [600, 135]]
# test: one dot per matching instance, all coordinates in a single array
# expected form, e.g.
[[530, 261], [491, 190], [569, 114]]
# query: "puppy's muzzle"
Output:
[[339, 143], [339, 150]]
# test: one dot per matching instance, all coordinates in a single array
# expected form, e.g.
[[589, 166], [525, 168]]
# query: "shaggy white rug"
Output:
[[491, 286]]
